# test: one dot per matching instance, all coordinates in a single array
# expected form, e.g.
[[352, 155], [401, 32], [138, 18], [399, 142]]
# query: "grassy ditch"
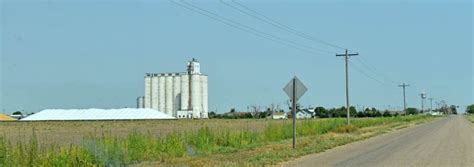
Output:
[[204, 147], [470, 117]]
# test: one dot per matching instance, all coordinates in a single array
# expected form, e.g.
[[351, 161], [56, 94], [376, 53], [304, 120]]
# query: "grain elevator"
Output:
[[182, 94]]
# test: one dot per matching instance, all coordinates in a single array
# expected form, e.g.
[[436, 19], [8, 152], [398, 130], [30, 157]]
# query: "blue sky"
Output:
[[94, 54]]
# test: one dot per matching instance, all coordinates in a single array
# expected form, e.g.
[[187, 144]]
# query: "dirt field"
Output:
[[63, 133]]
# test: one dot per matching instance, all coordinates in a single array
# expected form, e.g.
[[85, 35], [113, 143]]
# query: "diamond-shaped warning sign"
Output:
[[299, 88]]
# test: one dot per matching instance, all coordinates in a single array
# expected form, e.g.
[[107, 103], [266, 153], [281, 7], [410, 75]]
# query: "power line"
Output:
[[288, 29], [246, 28], [373, 70], [264, 20], [282, 26], [267, 36], [253, 29], [367, 75]]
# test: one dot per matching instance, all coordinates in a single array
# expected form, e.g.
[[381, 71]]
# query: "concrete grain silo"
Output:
[[154, 94], [148, 93], [184, 92], [169, 94], [141, 102], [161, 93], [176, 93], [204, 98], [196, 95], [182, 95]]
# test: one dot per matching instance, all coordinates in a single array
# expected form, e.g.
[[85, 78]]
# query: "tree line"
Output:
[[319, 112], [470, 109]]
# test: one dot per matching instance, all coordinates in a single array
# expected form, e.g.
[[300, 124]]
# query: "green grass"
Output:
[[470, 117], [111, 150]]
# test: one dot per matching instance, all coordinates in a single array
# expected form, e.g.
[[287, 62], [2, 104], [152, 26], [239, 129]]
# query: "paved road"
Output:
[[444, 143]]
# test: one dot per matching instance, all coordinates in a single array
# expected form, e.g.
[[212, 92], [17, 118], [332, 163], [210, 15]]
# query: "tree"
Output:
[[321, 112], [453, 109], [340, 112], [387, 114], [212, 114], [373, 109], [470, 109], [352, 111], [360, 114], [368, 113], [331, 113], [232, 110], [255, 111], [246, 115], [378, 114], [17, 113], [412, 111]]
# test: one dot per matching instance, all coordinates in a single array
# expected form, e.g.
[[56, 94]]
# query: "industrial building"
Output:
[[96, 114], [181, 95]]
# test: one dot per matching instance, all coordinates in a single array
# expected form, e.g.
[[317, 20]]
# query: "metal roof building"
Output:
[[97, 114]]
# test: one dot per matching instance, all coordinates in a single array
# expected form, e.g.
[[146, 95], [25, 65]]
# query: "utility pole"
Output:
[[423, 97], [431, 103], [346, 57], [404, 99]]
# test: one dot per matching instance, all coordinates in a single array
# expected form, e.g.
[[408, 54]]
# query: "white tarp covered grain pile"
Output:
[[97, 114]]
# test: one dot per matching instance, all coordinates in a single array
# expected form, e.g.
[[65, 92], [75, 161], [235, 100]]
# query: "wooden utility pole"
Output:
[[431, 104], [404, 99], [346, 57]]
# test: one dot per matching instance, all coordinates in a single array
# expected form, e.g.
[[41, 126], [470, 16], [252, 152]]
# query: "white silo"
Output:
[[204, 98], [161, 93], [147, 91], [154, 92], [169, 95], [176, 93], [140, 102], [184, 92], [196, 95]]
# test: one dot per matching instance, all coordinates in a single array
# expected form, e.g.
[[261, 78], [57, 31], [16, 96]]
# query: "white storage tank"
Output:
[[176, 94], [147, 101], [161, 93], [154, 94], [169, 95], [184, 92], [196, 95], [140, 102], [204, 99]]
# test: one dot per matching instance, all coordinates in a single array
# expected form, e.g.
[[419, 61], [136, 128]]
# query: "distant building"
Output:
[[182, 95], [279, 115], [17, 115], [96, 114], [304, 114]]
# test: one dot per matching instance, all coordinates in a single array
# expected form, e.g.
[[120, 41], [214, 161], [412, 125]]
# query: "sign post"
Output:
[[294, 89]]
